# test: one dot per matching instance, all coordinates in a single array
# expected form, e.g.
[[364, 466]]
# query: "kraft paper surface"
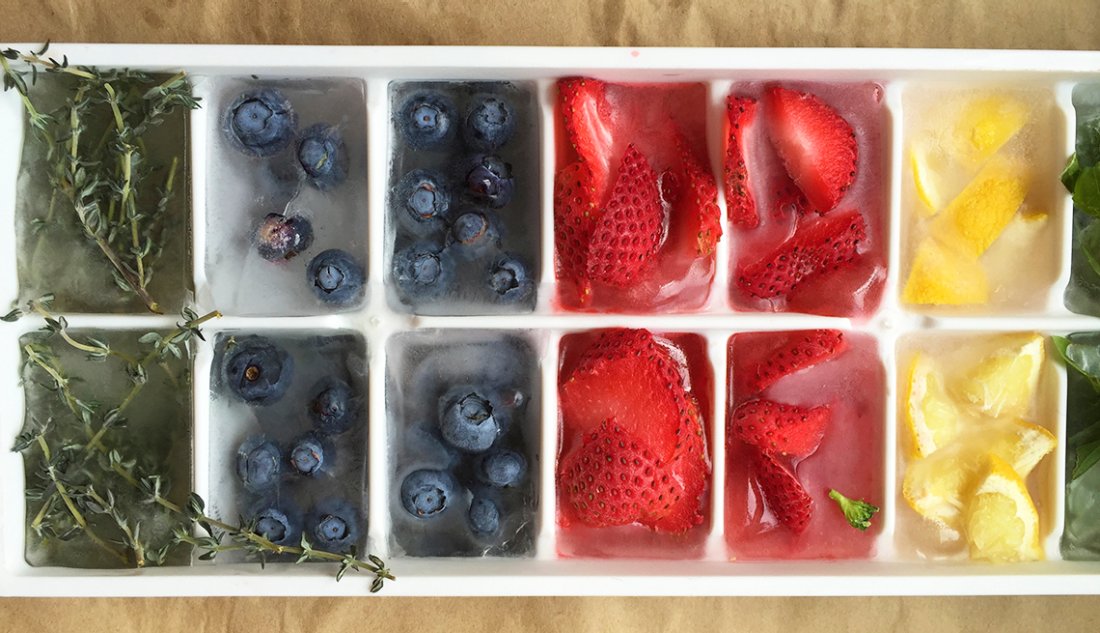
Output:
[[1035, 24]]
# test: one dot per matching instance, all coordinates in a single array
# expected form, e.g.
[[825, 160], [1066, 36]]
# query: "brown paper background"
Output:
[[914, 23]]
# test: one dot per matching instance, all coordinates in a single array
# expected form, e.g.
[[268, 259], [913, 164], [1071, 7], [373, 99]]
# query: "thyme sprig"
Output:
[[106, 179], [83, 463]]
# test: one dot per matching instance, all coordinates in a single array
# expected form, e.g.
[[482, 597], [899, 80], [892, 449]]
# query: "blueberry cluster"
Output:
[[475, 423], [259, 372], [450, 219], [262, 123]]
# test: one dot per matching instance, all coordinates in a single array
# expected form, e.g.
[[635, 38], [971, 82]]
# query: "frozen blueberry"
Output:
[[423, 199], [260, 122], [323, 156], [307, 456], [466, 420], [278, 526], [336, 277], [490, 122], [427, 493], [503, 468], [334, 525], [423, 271], [258, 371], [426, 119], [334, 408], [281, 237], [475, 233], [484, 516], [259, 463], [488, 179], [510, 279]]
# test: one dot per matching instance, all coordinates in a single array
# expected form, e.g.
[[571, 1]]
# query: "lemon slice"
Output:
[[1002, 524], [1002, 384], [985, 124], [943, 276], [978, 215], [938, 485], [929, 175], [930, 415]]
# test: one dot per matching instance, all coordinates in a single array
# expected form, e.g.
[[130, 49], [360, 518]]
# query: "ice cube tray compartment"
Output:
[[544, 572]]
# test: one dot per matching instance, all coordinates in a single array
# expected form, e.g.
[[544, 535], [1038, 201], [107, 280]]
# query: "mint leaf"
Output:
[[1089, 239], [1087, 457], [1070, 173], [1088, 141], [1085, 359], [1086, 191]]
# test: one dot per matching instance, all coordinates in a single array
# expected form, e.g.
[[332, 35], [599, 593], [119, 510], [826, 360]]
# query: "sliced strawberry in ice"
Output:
[[696, 200], [779, 428], [691, 468], [586, 116], [631, 227], [575, 212], [740, 200], [783, 493], [612, 479], [759, 367], [788, 199], [817, 145], [825, 244]]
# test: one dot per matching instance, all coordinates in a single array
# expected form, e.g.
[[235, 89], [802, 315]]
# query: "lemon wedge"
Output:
[[929, 176], [986, 123], [978, 215], [1002, 385], [930, 415], [941, 275], [1002, 524], [938, 486]]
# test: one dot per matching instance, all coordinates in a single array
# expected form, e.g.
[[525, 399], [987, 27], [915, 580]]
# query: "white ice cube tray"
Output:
[[544, 573]]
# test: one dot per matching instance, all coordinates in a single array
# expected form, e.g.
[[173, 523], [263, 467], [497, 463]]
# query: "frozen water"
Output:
[[467, 291], [157, 434], [318, 361], [59, 259], [423, 367], [242, 189], [1081, 539]]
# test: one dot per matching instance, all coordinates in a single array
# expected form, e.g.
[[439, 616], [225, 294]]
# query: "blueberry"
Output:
[[490, 122], [426, 119], [423, 199], [278, 525], [260, 122], [474, 234], [422, 271], [488, 179], [323, 156], [484, 516], [336, 277], [510, 279], [334, 408], [281, 237], [307, 456], [334, 525], [259, 463], [427, 493], [258, 371], [503, 468], [466, 420]]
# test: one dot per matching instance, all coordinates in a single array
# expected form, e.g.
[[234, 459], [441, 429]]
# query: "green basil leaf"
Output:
[[1086, 191], [1070, 173], [1087, 457]]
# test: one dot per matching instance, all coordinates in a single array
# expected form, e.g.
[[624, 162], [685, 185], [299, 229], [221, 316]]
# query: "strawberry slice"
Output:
[[624, 375], [614, 479], [763, 366], [824, 245], [691, 467], [586, 115], [630, 230], [740, 201], [783, 493], [575, 211], [697, 199], [789, 200], [779, 428], [817, 145]]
